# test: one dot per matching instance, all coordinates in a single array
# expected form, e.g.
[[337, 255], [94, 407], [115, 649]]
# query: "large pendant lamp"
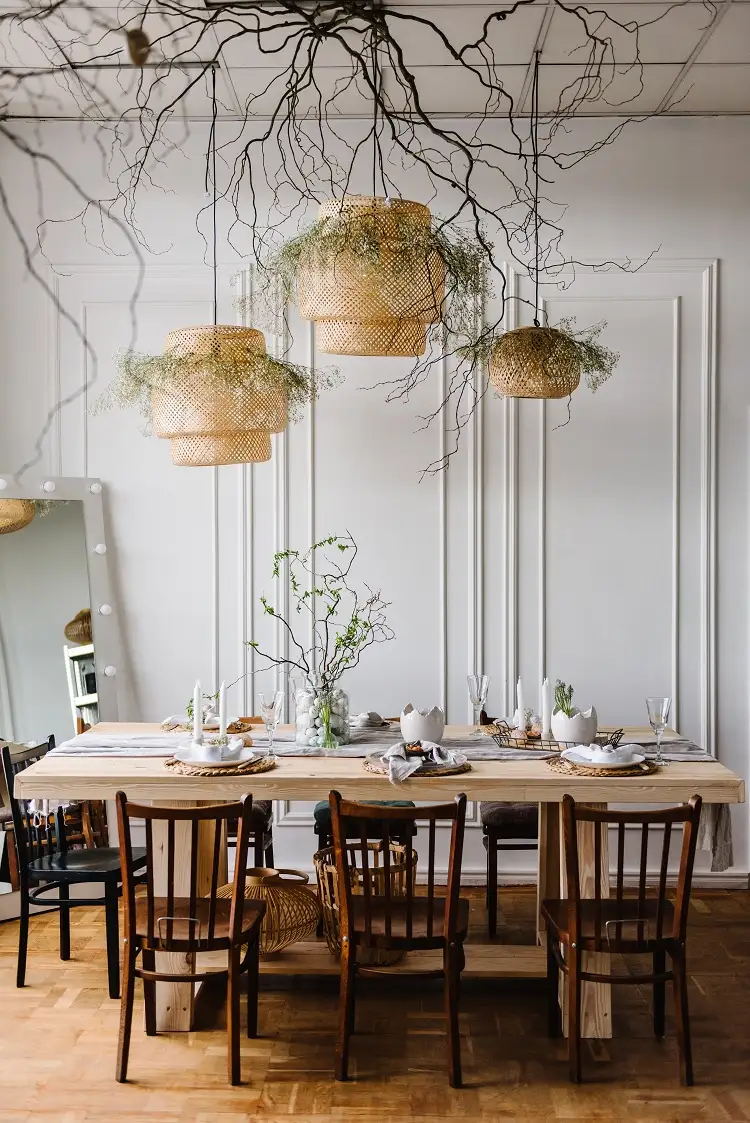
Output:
[[15, 514], [208, 420], [380, 308], [209, 423], [535, 362]]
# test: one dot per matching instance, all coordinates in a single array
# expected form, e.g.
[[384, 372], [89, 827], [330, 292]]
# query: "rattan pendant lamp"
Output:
[[208, 421], [15, 514], [535, 362], [383, 308]]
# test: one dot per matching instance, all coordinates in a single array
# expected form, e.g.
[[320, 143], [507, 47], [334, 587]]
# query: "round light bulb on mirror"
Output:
[[100, 548], [3, 485], [48, 485], [95, 489], [105, 609], [110, 671]]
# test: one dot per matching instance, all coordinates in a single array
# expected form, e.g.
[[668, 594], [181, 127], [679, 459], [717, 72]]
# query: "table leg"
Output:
[[596, 998], [548, 863], [175, 1001]]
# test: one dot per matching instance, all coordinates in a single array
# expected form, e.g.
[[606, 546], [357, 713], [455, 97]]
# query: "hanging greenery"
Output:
[[389, 261], [140, 376]]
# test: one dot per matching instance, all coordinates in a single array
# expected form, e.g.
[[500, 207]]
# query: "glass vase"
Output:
[[322, 715]]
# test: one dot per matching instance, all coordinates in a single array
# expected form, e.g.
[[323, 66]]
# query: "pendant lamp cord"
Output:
[[211, 172], [377, 82], [535, 168]]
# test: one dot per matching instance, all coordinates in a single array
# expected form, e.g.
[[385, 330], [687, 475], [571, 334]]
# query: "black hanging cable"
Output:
[[211, 163], [535, 166], [377, 83]]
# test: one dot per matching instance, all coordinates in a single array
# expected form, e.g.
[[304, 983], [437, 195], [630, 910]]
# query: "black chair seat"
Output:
[[261, 814], [6, 816], [82, 865], [511, 820]]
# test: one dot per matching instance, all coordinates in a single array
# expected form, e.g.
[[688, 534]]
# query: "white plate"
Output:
[[614, 765], [187, 756]]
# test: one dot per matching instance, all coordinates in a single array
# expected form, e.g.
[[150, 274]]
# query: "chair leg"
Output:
[[113, 938], [492, 885], [148, 959], [452, 972], [126, 1013], [253, 989], [258, 855], [574, 1014], [346, 1010], [660, 993], [269, 851], [64, 894], [23, 940], [553, 988], [233, 1016], [682, 1018]]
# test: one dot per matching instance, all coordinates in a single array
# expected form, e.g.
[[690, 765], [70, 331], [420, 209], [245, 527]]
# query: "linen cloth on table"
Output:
[[715, 835], [123, 744], [401, 766]]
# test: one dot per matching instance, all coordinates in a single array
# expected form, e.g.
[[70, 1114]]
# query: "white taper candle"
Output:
[[198, 715], [222, 710], [546, 710]]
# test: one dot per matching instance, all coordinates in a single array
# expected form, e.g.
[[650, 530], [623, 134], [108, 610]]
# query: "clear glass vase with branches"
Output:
[[342, 621]]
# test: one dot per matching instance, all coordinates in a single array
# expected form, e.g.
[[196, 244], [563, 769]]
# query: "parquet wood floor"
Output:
[[58, 1040]]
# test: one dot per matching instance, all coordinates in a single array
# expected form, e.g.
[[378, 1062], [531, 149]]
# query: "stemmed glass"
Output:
[[270, 709], [658, 715], [478, 687]]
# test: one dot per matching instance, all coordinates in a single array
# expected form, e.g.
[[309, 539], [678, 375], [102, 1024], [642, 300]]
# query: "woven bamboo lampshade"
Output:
[[364, 309], [535, 362], [209, 424], [78, 631], [15, 514], [292, 910]]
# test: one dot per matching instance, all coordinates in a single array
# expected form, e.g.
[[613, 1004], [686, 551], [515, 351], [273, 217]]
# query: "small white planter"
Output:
[[422, 725], [580, 729]]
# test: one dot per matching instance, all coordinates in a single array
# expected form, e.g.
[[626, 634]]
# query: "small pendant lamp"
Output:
[[15, 514]]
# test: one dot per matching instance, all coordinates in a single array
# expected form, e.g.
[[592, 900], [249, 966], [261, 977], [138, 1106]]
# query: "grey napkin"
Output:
[[401, 766], [715, 835]]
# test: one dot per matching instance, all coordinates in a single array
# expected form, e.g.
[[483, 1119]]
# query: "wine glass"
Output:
[[478, 687], [658, 715], [270, 709]]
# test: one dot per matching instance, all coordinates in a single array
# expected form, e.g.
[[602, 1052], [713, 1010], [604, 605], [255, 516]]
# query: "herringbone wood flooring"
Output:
[[58, 1040]]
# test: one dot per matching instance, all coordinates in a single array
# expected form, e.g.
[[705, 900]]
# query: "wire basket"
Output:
[[328, 891], [506, 737]]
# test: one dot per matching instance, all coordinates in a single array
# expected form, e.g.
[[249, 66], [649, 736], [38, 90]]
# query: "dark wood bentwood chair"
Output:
[[46, 863], [188, 924], [627, 925], [402, 921]]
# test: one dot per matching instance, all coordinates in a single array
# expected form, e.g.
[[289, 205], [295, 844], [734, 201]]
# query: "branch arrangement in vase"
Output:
[[345, 620]]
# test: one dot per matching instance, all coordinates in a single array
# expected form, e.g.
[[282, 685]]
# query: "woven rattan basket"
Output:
[[292, 910], [535, 362], [78, 631], [218, 425], [15, 514], [328, 892], [362, 309]]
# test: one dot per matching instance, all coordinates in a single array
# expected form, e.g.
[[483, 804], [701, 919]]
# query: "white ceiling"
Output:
[[694, 58]]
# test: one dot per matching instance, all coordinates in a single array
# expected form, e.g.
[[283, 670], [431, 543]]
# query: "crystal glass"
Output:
[[658, 716], [479, 686], [270, 710]]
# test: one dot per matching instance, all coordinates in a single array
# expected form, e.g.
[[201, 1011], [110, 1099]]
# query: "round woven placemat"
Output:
[[559, 764], [262, 764], [380, 768]]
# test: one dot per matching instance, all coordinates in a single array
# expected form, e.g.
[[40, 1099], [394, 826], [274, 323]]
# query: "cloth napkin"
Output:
[[401, 766], [367, 720], [715, 835], [183, 719], [123, 744]]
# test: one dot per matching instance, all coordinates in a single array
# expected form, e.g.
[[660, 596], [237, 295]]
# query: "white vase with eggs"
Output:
[[578, 728], [422, 725]]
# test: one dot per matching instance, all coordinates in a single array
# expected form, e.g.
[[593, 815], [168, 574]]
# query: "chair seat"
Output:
[[511, 820], [83, 865], [420, 917], [598, 922], [6, 816], [261, 818], [252, 915], [322, 817]]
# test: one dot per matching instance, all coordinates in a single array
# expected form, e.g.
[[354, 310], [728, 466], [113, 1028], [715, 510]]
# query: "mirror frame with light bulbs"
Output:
[[104, 616]]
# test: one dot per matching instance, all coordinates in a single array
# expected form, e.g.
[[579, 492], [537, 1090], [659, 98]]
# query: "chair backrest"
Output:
[[36, 834], [649, 920], [397, 892], [196, 834]]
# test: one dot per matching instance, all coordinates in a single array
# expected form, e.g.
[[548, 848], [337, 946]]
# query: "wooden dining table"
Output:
[[146, 779]]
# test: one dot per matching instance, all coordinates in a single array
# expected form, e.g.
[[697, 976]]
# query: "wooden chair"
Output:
[[403, 921], [192, 924], [46, 863], [633, 925]]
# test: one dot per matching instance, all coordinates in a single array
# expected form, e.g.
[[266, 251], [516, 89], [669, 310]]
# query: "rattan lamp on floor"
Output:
[[209, 423], [535, 362], [374, 308]]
